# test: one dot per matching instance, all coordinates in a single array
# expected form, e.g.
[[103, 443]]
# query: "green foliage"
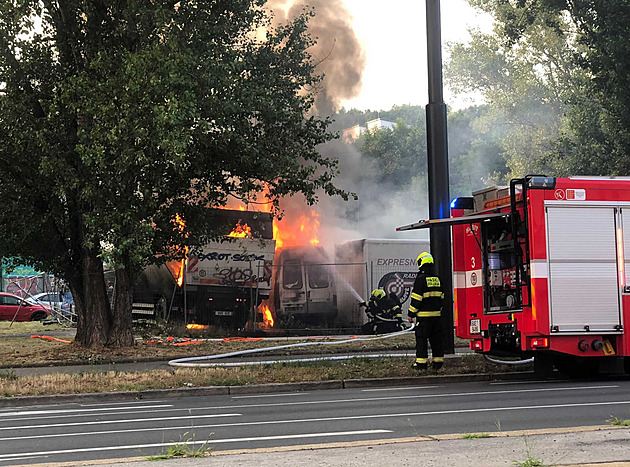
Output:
[[531, 460], [115, 119], [554, 72], [184, 449], [399, 156], [614, 421], [476, 435]]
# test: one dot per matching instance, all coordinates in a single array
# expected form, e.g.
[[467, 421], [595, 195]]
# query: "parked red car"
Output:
[[12, 305]]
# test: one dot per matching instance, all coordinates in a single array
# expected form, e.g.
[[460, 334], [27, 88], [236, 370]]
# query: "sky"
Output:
[[393, 36]]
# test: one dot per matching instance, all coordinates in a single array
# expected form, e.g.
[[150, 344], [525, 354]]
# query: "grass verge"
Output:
[[25, 351], [356, 368]]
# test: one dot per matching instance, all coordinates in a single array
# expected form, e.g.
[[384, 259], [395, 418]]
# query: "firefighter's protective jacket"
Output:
[[385, 309], [427, 295]]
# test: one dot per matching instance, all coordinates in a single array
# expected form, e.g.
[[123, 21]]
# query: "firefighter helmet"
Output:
[[424, 258], [377, 294]]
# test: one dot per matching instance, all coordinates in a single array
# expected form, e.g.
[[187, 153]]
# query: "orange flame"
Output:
[[177, 267], [197, 326], [268, 321], [241, 231], [304, 231]]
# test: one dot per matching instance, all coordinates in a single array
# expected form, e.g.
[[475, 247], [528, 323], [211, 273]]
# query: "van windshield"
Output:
[[292, 275]]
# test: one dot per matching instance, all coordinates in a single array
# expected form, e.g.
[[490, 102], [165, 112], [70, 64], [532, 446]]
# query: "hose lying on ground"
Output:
[[190, 361], [510, 362]]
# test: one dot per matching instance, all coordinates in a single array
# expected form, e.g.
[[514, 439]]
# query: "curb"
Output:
[[257, 389]]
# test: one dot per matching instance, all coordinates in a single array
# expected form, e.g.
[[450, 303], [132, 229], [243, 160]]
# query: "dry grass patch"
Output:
[[11, 386], [24, 351]]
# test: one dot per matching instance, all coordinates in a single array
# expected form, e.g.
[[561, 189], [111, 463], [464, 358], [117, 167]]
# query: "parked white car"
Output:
[[56, 300]]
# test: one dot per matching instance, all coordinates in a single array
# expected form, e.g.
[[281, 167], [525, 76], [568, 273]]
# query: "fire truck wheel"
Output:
[[543, 366], [576, 367]]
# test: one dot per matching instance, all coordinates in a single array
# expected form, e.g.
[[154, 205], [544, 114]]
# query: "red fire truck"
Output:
[[542, 268]]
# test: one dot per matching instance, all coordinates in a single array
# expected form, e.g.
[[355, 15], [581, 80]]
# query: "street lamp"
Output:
[[437, 150]]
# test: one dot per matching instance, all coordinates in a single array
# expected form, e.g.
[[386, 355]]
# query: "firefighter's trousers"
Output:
[[429, 329]]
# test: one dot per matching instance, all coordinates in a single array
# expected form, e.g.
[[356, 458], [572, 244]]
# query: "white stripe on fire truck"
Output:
[[459, 279], [539, 269]]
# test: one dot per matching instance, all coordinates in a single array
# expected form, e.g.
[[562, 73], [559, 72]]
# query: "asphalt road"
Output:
[[75, 432]]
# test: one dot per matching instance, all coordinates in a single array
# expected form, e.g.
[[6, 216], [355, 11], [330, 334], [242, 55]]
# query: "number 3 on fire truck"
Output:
[[472, 262]]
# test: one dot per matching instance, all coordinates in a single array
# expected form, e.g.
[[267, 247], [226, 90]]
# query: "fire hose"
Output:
[[510, 362], [191, 362]]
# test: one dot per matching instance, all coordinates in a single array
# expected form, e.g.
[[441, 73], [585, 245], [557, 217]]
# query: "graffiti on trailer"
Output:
[[399, 283], [235, 275], [216, 256]]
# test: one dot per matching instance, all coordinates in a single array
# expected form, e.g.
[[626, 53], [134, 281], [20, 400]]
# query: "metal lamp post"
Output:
[[437, 150]]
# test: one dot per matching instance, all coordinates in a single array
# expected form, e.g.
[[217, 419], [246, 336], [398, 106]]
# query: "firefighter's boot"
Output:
[[420, 364], [437, 363]]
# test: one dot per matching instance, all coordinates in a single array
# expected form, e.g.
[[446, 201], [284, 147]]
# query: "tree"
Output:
[[399, 153], [590, 135], [526, 86], [116, 120]]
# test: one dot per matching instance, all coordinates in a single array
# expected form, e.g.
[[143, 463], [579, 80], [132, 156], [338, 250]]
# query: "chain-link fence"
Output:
[[323, 294], [300, 293]]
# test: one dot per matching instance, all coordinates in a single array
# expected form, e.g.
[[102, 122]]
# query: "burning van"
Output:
[[304, 286]]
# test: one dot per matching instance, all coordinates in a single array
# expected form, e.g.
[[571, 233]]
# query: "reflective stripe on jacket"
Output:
[[427, 296]]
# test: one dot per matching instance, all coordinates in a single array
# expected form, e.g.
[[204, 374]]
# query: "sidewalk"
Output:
[[603, 446]]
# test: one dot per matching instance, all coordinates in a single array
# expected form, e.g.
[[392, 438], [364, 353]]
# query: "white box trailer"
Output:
[[373, 263], [242, 262]]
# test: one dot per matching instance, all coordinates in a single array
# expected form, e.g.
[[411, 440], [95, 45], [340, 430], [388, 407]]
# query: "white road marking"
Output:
[[507, 383], [415, 396], [253, 396], [327, 419], [65, 411], [213, 441], [333, 401], [99, 404], [404, 388], [109, 422]]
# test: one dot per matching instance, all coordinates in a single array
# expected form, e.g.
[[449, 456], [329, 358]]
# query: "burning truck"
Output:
[[220, 285]]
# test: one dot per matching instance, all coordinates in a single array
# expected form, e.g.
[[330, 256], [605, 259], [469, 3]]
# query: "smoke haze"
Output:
[[380, 209]]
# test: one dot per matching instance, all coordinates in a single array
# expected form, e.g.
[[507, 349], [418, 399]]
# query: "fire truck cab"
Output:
[[541, 268]]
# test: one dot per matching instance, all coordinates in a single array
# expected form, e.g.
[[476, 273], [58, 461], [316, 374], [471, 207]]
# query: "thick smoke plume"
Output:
[[379, 209], [338, 52]]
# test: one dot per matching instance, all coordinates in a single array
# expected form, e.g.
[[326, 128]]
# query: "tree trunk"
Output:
[[94, 314], [122, 334]]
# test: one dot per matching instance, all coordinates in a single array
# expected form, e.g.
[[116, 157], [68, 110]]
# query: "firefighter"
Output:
[[426, 307], [383, 312]]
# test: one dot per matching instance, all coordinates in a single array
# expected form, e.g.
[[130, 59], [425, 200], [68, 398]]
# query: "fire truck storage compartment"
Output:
[[584, 295], [499, 256]]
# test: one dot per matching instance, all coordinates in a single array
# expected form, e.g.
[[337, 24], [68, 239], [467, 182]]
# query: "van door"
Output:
[[583, 279], [319, 289], [292, 287]]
